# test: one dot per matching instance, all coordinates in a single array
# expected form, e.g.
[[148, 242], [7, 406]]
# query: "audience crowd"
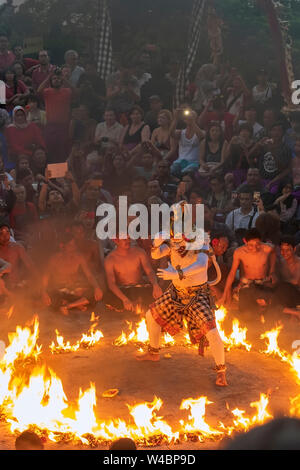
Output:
[[70, 141]]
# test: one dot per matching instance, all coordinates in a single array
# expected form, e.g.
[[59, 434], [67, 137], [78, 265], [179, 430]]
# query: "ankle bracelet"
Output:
[[153, 350], [220, 368]]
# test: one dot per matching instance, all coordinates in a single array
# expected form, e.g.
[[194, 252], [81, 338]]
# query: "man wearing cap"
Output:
[[188, 298], [152, 115]]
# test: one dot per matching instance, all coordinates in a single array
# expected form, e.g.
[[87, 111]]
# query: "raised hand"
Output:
[[168, 274]]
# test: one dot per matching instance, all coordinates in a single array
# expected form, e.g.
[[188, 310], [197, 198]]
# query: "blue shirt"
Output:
[[8, 165]]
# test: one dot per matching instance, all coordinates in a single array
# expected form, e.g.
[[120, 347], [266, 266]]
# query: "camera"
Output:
[[170, 188]]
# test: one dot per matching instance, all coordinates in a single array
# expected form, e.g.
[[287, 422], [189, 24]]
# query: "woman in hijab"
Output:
[[22, 137]]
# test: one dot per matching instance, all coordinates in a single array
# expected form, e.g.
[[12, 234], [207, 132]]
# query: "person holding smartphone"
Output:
[[273, 158], [188, 141], [108, 133]]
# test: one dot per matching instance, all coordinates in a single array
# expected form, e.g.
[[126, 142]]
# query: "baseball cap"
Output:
[[154, 98]]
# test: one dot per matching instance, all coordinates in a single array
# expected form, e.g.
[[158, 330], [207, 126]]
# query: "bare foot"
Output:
[[292, 311], [221, 379], [64, 311], [147, 356], [82, 308]]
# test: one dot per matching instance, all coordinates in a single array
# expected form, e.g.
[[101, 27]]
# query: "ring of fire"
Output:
[[32, 395]]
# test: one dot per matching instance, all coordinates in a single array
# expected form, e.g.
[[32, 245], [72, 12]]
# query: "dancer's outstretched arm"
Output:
[[160, 247]]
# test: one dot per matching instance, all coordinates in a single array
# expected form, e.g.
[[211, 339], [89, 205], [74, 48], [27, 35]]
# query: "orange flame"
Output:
[[139, 335], [196, 420], [86, 341], [238, 336], [31, 395]]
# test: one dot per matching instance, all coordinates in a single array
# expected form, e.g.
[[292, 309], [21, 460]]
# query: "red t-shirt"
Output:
[[39, 76], [226, 122], [6, 60], [21, 216], [28, 62], [58, 105], [20, 141], [10, 92]]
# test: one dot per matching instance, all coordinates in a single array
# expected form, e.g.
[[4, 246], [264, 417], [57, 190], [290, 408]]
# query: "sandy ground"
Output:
[[182, 376]]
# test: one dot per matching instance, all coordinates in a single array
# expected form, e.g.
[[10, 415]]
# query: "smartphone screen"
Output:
[[256, 197]]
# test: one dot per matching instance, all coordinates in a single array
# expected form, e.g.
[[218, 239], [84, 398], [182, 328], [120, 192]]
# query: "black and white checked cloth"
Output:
[[103, 42], [196, 308], [192, 48]]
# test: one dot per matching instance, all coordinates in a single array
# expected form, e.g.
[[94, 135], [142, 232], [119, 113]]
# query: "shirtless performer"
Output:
[[91, 250], [188, 297], [62, 286], [256, 261], [124, 269], [5, 268], [16, 256], [288, 290]]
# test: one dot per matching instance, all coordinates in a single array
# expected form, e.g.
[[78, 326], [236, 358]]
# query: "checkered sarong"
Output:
[[194, 305], [195, 31], [103, 40]]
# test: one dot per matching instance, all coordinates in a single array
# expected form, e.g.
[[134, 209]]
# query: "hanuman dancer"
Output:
[[188, 297]]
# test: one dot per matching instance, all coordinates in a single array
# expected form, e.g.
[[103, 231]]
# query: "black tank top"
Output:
[[211, 157], [135, 138]]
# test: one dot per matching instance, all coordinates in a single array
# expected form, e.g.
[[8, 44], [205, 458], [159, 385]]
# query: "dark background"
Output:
[[68, 24]]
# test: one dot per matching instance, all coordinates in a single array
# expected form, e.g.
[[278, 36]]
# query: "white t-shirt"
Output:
[[236, 105], [2, 92], [257, 128], [261, 96], [236, 219], [188, 148], [76, 74]]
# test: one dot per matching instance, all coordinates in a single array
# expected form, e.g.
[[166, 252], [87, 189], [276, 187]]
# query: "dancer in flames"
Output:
[[188, 297]]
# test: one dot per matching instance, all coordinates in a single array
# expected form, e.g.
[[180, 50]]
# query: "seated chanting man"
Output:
[[125, 267], [14, 254], [256, 262], [68, 282], [288, 289], [92, 251], [5, 294]]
